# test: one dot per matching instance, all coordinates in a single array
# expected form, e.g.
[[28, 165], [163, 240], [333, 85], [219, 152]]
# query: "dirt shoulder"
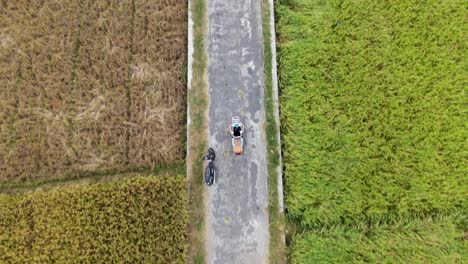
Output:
[[197, 127]]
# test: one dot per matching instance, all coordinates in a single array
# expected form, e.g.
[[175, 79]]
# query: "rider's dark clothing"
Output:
[[237, 131]]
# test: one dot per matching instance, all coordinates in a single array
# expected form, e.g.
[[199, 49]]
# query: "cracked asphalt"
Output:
[[237, 205]]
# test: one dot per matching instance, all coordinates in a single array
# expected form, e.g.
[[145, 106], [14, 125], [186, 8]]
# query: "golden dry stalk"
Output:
[[87, 86]]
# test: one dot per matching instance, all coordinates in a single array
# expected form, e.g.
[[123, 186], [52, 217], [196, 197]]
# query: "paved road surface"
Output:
[[237, 224]]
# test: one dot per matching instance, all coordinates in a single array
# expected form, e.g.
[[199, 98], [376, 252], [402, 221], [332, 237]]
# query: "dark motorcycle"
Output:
[[210, 171]]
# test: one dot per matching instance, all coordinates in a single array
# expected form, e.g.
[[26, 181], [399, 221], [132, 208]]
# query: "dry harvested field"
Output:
[[88, 86]]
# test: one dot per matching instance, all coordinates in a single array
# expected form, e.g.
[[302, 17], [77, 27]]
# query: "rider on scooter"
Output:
[[237, 131], [237, 128]]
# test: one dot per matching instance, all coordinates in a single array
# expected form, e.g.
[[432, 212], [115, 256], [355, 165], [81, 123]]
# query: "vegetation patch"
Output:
[[419, 241], [138, 220], [373, 112], [373, 109], [90, 86], [197, 136], [275, 216], [177, 168]]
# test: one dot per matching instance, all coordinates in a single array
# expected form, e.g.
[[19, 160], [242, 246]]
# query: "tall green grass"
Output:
[[373, 103], [426, 241]]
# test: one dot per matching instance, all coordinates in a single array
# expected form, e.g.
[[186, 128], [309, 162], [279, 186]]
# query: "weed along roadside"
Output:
[[277, 224], [197, 124]]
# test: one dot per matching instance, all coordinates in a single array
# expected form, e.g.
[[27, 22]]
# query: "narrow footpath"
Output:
[[237, 205]]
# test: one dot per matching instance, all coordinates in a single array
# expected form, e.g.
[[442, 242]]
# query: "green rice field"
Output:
[[420, 241], [373, 112]]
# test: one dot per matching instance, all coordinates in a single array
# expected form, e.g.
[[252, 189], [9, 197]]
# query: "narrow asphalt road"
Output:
[[237, 224]]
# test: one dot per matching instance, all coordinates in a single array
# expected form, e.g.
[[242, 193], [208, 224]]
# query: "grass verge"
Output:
[[176, 168], [276, 217], [197, 133]]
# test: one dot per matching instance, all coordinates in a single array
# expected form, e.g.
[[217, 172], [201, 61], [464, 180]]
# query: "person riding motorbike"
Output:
[[210, 171], [237, 129]]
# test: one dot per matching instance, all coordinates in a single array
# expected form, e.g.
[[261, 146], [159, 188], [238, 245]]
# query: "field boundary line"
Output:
[[176, 168], [12, 187]]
